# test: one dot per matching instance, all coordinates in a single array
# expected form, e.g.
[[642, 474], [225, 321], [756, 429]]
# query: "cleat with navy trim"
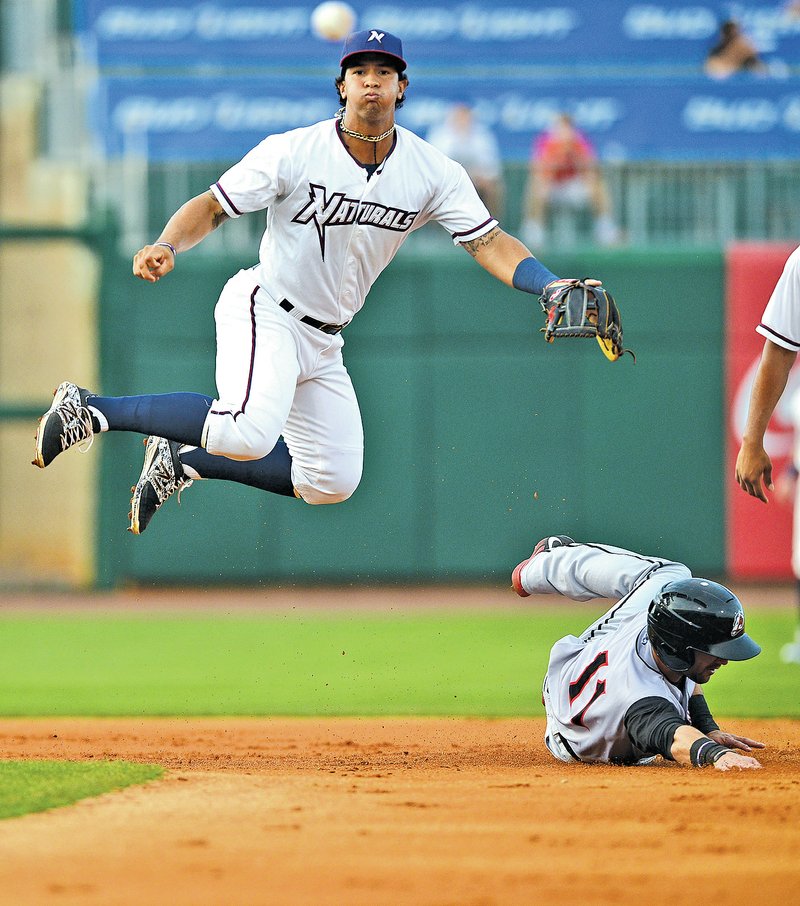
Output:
[[162, 475]]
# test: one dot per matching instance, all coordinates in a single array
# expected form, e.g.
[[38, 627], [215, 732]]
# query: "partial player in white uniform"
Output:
[[780, 325], [787, 488], [341, 196], [628, 688]]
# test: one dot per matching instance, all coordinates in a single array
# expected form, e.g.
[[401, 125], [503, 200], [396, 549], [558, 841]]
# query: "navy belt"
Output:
[[286, 305]]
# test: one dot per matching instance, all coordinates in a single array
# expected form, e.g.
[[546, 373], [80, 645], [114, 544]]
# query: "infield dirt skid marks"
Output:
[[425, 811]]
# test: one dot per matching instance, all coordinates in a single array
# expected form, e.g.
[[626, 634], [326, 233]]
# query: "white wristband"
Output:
[[168, 245]]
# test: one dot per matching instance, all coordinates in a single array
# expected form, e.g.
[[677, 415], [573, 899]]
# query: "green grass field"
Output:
[[452, 663], [34, 786]]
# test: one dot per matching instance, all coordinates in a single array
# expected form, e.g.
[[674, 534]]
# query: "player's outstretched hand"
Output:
[[734, 761], [754, 471], [153, 262], [732, 741]]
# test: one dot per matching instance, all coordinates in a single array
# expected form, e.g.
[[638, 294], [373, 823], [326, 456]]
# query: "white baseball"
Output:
[[333, 21]]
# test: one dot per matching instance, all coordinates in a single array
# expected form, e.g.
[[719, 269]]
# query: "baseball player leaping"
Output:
[[341, 196], [629, 687]]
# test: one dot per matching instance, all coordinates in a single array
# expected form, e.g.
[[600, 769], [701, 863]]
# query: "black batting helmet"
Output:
[[697, 615]]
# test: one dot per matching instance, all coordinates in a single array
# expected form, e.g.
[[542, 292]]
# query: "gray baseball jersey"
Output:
[[593, 679]]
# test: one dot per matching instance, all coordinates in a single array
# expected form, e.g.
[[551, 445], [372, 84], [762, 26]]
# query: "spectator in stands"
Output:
[[466, 140], [564, 172], [733, 52]]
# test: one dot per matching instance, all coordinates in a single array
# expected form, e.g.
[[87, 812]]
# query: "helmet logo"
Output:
[[738, 625]]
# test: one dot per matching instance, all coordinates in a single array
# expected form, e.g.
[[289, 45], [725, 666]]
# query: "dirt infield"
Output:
[[397, 811]]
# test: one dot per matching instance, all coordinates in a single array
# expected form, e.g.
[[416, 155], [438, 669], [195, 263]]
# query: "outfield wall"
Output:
[[480, 438], [758, 537]]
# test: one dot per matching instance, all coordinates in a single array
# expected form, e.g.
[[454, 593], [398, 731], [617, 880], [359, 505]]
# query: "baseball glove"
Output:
[[583, 308]]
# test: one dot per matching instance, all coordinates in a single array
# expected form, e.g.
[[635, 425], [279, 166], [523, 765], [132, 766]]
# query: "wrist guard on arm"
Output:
[[706, 751], [531, 276]]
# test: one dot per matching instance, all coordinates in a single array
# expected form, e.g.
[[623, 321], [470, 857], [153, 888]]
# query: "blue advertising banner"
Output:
[[232, 33], [221, 118]]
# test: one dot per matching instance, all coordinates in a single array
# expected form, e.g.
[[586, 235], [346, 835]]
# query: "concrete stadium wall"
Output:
[[480, 438], [48, 320]]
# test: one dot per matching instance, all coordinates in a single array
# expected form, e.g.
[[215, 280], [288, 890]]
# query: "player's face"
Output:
[[371, 88], [704, 667]]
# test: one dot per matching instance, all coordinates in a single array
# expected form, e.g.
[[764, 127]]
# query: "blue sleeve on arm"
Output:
[[531, 276]]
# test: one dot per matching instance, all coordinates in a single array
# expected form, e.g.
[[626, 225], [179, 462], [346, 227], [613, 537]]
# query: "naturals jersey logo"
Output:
[[338, 210]]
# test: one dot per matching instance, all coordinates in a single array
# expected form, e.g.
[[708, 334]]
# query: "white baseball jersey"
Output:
[[593, 679], [331, 230], [780, 322]]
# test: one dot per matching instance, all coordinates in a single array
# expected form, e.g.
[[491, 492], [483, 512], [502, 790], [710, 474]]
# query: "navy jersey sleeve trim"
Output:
[[227, 198], [474, 229], [780, 336]]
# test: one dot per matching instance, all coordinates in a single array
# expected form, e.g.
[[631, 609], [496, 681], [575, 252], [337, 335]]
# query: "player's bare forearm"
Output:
[[498, 253], [682, 743], [686, 735], [193, 221], [188, 226], [770, 382], [753, 464]]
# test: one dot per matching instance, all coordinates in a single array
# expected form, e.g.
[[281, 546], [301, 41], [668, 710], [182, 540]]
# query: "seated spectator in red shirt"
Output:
[[564, 171]]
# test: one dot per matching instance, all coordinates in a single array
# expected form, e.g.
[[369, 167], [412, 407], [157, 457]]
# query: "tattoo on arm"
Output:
[[217, 217], [475, 245]]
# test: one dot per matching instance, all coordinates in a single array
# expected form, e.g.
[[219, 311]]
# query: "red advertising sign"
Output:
[[759, 536]]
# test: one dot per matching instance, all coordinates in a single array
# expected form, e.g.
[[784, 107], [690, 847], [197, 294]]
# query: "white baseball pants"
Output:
[[279, 377]]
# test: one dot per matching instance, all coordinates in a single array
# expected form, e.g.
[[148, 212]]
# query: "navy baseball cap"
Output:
[[373, 40]]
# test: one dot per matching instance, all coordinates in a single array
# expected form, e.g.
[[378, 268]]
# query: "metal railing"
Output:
[[655, 203], [706, 203]]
